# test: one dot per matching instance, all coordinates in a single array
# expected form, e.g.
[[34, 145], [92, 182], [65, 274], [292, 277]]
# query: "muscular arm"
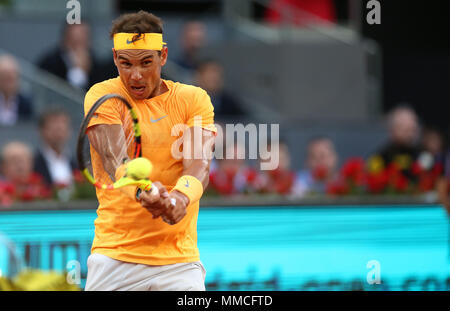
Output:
[[197, 159], [197, 155], [109, 142]]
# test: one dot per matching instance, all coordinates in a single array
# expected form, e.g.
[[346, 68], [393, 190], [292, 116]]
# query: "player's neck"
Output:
[[160, 89]]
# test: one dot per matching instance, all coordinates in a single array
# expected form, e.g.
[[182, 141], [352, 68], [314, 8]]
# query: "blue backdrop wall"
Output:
[[270, 248]]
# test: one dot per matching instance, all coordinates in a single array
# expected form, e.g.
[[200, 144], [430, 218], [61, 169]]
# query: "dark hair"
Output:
[[140, 22], [51, 112]]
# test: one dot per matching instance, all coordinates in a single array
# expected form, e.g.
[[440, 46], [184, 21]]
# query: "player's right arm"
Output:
[[107, 137], [108, 141]]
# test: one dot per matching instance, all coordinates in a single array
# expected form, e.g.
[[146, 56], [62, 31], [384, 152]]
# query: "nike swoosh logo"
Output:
[[129, 42], [156, 120], [187, 183]]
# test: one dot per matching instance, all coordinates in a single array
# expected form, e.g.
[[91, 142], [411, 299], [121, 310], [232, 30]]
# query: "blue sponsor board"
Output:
[[270, 248]]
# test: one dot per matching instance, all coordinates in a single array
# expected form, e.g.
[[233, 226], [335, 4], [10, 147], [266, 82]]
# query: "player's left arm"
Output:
[[196, 163], [195, 177]]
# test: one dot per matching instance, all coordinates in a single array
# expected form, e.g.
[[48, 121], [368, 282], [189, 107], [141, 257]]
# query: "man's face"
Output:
[[56, 131], [17, 163], [404, 128], [194, 35], [140, 71], [285, 157], [321, 154], [77, 37], [432, 142], [210, 78], [9, 78]]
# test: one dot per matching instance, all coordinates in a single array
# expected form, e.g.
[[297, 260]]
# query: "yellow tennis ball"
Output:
[[139, 168]]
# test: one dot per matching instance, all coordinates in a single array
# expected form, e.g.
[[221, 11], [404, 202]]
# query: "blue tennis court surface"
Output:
[[279, 248]]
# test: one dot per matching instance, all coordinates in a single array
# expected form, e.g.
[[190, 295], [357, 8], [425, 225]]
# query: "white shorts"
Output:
[[107, 274]]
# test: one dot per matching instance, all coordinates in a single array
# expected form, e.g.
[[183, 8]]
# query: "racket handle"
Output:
[[153, 190]]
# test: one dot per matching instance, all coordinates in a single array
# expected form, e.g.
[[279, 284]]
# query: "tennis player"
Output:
[[133, 247]]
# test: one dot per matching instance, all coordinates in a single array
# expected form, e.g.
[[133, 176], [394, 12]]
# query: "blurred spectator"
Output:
[[74, 60], [13, 105], [432, 141], [321, 167], [19, 181], [209, 76], [17, 164], [52, 159], [301, 12], [193, 38], [281, 179], [403, 148]]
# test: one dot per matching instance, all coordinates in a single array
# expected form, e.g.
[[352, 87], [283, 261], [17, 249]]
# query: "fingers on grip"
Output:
[[154, 191]]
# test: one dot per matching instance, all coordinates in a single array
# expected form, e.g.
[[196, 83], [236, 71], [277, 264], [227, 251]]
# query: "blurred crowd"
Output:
[[27, 174], [414, 160]]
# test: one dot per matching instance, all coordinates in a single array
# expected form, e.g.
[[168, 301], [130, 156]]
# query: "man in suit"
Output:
[[14, 106], [52, 159], [403, 147], [73, 60]]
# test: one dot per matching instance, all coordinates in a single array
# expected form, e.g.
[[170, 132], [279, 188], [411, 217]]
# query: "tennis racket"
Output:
[[103, 150]]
